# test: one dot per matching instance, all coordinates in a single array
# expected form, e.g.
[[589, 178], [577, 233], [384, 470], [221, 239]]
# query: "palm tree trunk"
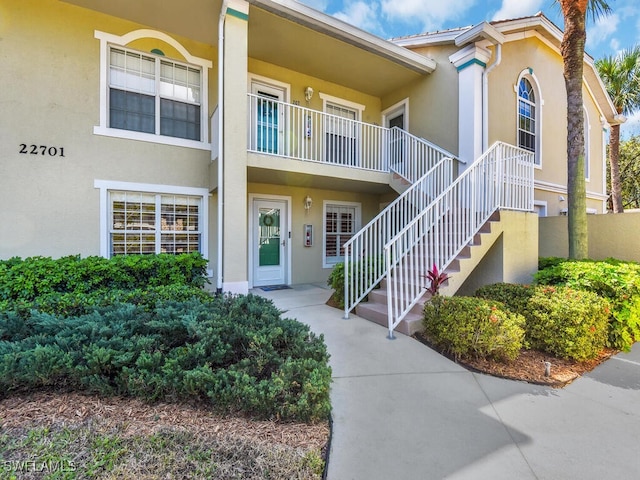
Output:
[[572, 50], [614, 163]]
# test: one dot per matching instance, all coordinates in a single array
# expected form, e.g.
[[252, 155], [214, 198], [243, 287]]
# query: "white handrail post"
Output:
[[346, 283]]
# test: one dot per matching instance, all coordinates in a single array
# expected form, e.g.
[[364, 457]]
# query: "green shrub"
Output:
[[546, 262], [473, 327], [616, 281], [364, 272], [567, 323], [236, 352], [514, 296], [35, 277]]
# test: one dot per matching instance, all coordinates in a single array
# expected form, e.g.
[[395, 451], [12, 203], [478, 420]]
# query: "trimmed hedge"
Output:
[[28, 279], [614, 280], [567, 323], [473, 327]]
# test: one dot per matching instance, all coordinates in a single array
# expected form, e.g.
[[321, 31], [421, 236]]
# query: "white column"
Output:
[[471, 62]]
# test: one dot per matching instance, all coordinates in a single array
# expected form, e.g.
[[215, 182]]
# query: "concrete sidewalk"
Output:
[[402, 411]]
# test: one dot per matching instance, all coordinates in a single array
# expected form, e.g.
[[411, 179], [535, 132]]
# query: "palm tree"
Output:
[[572, 50], [621, 76]]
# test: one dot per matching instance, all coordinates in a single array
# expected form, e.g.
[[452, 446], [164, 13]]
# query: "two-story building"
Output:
[[262, 133]]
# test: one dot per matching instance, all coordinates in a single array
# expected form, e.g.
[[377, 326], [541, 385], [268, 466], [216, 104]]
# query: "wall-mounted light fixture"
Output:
[[308, 94], [307, 202], [561, 198]]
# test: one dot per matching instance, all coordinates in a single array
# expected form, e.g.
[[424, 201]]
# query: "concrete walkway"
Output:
[[402, 411]]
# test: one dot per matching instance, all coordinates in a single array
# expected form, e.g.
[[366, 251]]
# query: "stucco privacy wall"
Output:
[[610, 236], [50, 96]]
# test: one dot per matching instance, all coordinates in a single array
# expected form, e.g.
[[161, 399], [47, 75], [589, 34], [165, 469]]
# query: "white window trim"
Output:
[[254, 79], [108, 185], [544, 210], [529, 75], [393, 111], [357, 225], [107, 39], [358, 107], [587, 145]]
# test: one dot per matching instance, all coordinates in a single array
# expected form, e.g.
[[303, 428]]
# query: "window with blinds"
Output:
[[340, 224], [148, 223], [155, 95], [527, 116]]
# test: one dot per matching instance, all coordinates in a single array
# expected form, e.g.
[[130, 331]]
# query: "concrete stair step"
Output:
[[377, 313]]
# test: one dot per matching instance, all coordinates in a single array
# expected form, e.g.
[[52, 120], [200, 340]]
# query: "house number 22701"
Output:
[[41, 150]]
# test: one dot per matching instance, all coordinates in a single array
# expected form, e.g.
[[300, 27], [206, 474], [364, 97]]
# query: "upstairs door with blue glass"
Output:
[[268, 121]]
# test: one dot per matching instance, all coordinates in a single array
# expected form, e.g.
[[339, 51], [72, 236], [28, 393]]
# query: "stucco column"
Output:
[[235, 240], [471, 62]]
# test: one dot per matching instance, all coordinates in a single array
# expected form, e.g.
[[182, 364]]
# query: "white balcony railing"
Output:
[[501, 178], [283, 129]]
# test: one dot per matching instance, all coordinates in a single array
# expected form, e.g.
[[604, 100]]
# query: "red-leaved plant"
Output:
[[436, 279]]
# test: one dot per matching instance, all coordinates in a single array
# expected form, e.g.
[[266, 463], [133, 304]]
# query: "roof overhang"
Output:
[[339, 30]]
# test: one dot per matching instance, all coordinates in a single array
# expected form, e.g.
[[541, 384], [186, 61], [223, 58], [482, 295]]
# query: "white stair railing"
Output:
[[411, 156], [364, 264], [501, 178]]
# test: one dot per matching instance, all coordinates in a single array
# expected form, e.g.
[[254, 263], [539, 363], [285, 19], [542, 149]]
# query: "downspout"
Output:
[[485, 97], [223, 13]]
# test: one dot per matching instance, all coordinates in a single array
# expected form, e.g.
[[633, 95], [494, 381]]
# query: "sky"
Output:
[[606, 36]]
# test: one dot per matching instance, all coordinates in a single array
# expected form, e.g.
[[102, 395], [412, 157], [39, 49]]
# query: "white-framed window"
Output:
[[341, 222], [540, 208], [151, 219], [147, 96], [529, 115], [342, 130]]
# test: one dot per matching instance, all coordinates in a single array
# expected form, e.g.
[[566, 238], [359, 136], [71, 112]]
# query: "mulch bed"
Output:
[[529, 366]]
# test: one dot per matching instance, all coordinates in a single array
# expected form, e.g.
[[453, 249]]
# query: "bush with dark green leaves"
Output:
[[614, 280], [467, 327], [143, 326], [567, 323], [34, 277], [235, 352], [514, 296]]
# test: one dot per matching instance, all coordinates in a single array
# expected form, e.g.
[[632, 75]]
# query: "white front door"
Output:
[[270, 242], [268, 118]]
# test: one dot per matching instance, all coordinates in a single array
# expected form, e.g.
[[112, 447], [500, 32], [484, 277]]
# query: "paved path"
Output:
[[402, 411]]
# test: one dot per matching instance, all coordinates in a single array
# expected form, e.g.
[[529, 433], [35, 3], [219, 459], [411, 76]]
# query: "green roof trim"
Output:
[[473, 61], [237, 14]]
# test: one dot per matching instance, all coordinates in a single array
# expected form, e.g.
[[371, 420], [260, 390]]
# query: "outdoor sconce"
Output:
[[308, 94], [307, 202]]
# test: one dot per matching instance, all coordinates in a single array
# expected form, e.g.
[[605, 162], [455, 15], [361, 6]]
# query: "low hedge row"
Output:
[[34, 277], [235, 352], [473, 327], [614, 280]]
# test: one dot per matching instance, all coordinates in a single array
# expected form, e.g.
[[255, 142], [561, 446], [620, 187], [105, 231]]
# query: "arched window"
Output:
[[527, 117]]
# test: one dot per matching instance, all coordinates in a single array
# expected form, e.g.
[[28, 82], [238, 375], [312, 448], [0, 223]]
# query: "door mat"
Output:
[[271, 288]]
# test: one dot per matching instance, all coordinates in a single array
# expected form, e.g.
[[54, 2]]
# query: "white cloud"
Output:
[[603, 28], [631, 126], [518, 8], [431, 14], [362, 15]]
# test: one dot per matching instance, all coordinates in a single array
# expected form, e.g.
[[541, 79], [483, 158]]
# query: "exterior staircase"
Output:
[[438, 221], [376, 307]]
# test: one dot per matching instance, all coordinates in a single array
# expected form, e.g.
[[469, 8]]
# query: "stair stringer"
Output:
[[463, 266]]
